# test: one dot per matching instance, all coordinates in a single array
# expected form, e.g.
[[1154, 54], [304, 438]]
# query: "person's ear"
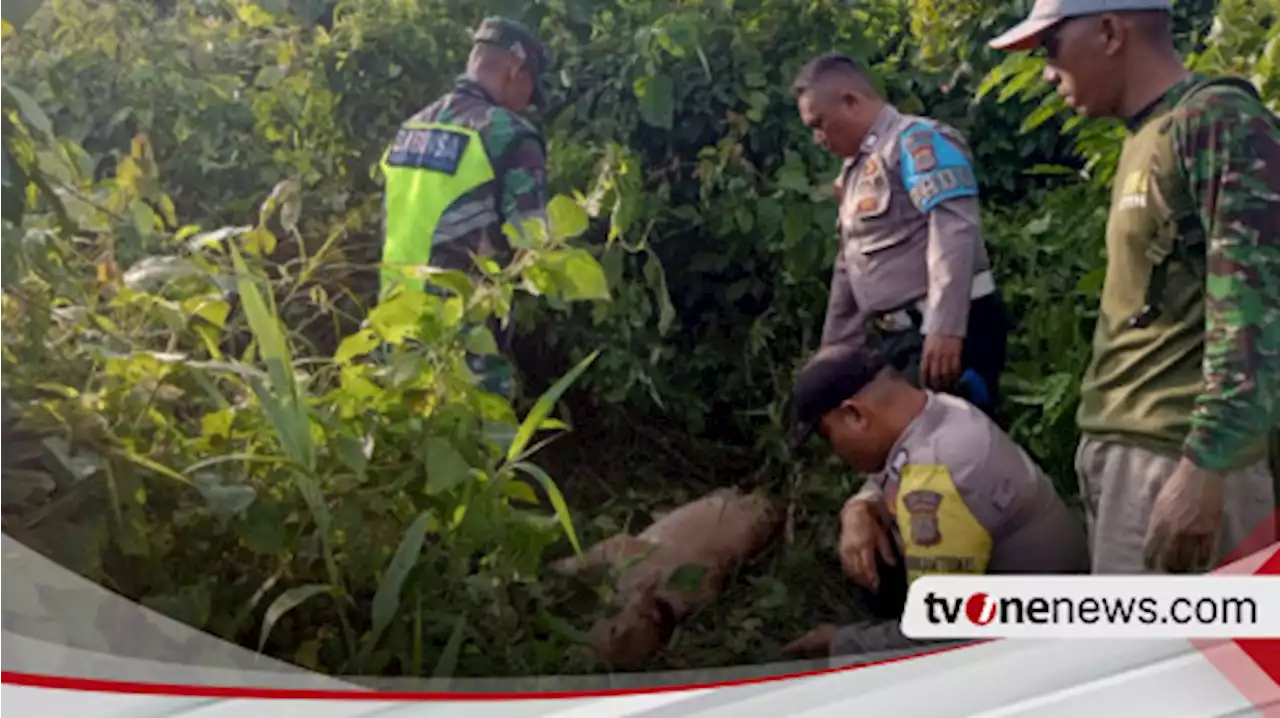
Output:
[[855, 411], [1113, 33]]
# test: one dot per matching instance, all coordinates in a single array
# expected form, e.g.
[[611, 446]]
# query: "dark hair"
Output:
[[823, 65]]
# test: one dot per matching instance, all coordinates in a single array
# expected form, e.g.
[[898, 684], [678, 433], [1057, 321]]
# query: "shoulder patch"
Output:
[[435, 149], [893, 480], [923, 506], [934, 169]]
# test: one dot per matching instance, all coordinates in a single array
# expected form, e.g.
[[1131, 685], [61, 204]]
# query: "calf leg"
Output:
[[609, 552]]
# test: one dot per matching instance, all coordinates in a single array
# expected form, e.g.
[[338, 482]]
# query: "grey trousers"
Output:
[[1119, 484]]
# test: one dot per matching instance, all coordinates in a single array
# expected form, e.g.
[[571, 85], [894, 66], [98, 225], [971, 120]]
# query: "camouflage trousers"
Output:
[[495, 373]]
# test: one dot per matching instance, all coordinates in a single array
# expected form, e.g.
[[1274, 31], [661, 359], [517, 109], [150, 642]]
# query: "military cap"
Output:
[[834, 374], [517, 39]]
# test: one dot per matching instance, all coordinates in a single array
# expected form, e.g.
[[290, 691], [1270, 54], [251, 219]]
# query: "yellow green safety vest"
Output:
[[428, 168]]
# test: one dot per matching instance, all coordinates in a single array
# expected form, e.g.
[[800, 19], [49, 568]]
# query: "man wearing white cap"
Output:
[[1184, 384]]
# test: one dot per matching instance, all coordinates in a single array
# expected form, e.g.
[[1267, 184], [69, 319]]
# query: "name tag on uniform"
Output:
[[434, 149]]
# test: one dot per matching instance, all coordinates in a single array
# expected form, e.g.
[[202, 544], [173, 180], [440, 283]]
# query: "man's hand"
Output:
[[1183, 531], [861, 536], [940, 364], [814, 644]]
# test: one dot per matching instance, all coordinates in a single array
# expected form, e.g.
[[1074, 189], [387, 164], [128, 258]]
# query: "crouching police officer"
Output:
[[912, 263], [951, 493], [465, 166]]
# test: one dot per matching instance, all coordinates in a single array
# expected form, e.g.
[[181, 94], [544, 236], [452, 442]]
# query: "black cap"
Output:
[[516, 38], [835, 373]]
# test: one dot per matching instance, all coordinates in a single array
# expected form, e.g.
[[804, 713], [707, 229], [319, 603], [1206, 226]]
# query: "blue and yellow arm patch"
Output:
[[934, 169], [940, 534]]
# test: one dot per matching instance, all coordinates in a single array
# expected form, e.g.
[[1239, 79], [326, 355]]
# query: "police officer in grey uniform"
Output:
[[912, 269], [951, 493]]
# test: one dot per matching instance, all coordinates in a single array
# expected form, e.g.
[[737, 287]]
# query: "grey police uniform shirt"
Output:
[[909, 231], [1031, 528]]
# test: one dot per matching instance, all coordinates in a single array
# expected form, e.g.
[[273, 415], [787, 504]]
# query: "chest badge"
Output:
[[867, 205], [1134, 190], [923, 507]]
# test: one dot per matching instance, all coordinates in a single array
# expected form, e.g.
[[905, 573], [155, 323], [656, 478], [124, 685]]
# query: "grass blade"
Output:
[[448, 662], [542, 408], [557, 499], [286, 602], [386, 602], [290, 416]]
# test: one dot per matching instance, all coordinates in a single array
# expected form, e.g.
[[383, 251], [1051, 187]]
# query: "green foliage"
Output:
[[237, 464], [191, 217]]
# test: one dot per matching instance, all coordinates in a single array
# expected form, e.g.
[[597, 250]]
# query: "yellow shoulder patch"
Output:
[[939, 533]]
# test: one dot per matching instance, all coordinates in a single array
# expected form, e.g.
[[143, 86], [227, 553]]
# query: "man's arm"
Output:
[[844, 321], [941, 182], [1231, 154], [524, 184]]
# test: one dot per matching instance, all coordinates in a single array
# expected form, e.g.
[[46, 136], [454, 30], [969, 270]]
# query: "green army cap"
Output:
[[517, 39]]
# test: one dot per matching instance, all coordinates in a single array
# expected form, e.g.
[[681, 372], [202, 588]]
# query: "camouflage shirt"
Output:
[[1230, 146], [519, 193]]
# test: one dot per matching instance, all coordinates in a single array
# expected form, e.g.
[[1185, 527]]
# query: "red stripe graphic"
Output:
[[195, 691]]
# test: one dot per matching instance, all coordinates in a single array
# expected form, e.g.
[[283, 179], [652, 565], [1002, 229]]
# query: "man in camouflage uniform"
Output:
[[912, 269], [465, 166], [1182, 391]]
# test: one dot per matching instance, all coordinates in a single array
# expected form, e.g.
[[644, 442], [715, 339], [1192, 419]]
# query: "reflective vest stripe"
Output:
[[425, 173]]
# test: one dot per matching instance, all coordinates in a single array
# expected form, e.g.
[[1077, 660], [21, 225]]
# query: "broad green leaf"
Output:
[[356, 345], [397, 318], [351, 452], [557, 499], [520, 491], [568, 218], [212, 309], [656, 94], [450, 279], [29, 109], [262, 528], [480, 341], [227, 501], [259, 242], [576, 275], [285, 603], [446, 468]]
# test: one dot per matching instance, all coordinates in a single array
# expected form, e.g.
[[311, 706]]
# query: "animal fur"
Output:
[[717, 532]]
